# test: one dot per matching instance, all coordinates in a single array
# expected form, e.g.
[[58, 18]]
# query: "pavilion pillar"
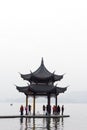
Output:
[[26, 103], [34, 105], [48, 106], [56, 100]]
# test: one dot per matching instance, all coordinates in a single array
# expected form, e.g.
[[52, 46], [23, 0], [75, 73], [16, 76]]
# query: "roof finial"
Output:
[[42, 61]]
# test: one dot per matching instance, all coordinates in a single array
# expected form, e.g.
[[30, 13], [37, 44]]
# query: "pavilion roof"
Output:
[[42, 75], [41, 89]]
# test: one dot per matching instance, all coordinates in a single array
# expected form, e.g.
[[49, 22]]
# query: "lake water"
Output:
[[76, 121]]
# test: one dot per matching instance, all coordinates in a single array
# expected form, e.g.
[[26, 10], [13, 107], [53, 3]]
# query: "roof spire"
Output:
[[42, 61]]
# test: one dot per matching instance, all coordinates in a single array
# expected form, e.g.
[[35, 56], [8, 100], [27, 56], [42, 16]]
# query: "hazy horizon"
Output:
[[71, 97]]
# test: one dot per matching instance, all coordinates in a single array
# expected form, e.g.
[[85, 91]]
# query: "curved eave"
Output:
[[61, 90], [26, 76], [22, 89], [58, 77], [25, 90]]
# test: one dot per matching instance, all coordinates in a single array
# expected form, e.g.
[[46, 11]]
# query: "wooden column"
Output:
[[48, 108], [55, 100], [34, 105], [26, 103]]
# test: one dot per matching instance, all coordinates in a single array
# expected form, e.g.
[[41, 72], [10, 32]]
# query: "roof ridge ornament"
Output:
[[19, 73], [42, 61], [54, 72]]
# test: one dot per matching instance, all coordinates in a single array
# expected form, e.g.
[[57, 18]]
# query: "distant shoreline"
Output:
[[68, 97]]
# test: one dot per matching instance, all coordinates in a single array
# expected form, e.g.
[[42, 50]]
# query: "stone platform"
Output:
[[35, 116]]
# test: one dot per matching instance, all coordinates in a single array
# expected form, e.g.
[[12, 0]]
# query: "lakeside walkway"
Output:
[[34, 116]]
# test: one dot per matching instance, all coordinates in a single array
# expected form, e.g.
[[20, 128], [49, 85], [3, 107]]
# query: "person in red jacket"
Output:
[[21, 109]]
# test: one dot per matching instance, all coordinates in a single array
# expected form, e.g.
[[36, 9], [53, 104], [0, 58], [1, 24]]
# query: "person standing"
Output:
[[29, 109], [58, 109], [43, 109], [26, 110], [21, 109], [62, 109]]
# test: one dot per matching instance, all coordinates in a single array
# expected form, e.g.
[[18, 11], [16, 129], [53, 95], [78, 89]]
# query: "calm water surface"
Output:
[[76, 121]]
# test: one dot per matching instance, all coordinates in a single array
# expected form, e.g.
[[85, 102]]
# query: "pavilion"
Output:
[[41, 83]]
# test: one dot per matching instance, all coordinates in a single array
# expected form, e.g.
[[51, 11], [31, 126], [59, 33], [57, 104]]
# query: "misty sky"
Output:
[[53, 29]]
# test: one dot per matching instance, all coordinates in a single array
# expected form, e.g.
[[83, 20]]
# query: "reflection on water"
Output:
[[41, 123], [58, 123]]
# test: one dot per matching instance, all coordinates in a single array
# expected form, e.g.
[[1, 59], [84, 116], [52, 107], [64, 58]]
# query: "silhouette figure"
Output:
[[62, 109]]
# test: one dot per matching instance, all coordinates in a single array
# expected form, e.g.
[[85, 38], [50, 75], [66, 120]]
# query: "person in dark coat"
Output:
[[62, 109], [58, 109], [43, 109], [29, 109]]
